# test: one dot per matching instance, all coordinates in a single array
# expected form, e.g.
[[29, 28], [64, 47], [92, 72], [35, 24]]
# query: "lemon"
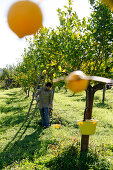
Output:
[[75, 82], [24, 18]]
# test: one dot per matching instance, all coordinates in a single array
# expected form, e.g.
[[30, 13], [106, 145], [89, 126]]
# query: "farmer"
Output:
[[45, 102]]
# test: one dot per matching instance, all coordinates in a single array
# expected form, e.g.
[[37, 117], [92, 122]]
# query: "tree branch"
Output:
[[98, 86]]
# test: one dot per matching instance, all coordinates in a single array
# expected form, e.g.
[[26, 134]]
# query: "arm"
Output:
[[51, 100]]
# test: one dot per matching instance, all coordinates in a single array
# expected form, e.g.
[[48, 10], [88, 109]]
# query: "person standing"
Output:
[[45, 102]]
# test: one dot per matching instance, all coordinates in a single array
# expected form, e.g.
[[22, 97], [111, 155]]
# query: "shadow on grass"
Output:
[[12, 120], [16, 98], [11, 109], [72, 159], [14, 93], [83, 99], [11, 94], [65, 122], [17, 113], [75, 95], [16, 117], [108, 125], [103, 105], [57, 119], [10, 105], [96, 98], [76, 126], [110, 147], [18, 148], [21, 149]]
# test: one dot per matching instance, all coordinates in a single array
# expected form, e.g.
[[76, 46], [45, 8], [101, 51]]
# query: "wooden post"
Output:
[[88, 111], [88, 115], [84, 143]]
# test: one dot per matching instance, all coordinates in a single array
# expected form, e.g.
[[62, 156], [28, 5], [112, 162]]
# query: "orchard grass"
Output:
[[54, 148]]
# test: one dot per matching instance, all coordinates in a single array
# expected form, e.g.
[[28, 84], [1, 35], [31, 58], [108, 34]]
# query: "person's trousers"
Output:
[[44, 112]]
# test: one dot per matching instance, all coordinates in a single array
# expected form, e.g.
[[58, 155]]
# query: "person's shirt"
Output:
[[45, 97]]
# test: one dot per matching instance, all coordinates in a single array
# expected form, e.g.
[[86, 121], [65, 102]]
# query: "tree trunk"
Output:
[[103, 97], [28, 92], [88, 115], [25, 90]]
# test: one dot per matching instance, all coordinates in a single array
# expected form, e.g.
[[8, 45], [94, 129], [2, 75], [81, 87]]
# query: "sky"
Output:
[[11, 47]]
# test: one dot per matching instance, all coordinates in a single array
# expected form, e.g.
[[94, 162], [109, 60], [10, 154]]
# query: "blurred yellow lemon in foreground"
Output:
[[24, 18], [75, 82], [108, 3]]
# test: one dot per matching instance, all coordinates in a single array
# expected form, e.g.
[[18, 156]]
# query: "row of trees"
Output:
[[74, 45]]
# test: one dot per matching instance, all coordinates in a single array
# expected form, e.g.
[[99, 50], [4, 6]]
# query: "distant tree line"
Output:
[[7, 78]]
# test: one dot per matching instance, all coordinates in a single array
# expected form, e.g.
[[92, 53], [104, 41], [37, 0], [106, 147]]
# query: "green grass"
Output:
[[51, 148]]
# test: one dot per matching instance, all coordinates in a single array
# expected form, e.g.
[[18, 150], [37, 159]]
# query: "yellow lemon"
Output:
[[44, 71], [24, 18], [75, 82]]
